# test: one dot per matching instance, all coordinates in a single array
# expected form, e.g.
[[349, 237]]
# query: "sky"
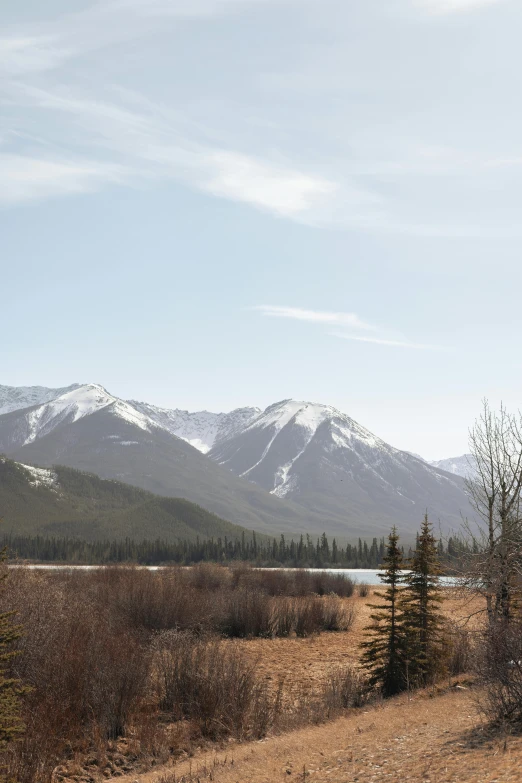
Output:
[[220, 203]]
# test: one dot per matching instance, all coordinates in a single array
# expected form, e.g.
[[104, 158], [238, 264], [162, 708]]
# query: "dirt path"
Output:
[[425, 740]]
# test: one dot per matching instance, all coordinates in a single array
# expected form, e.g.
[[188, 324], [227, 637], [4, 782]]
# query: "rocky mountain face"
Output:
[[322, 459], [89, 429], [459, 466], [13, 398], [201, 429], [26, 425], [295, 467]]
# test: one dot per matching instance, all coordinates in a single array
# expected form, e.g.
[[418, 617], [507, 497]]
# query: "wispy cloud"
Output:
[[242, 178], [153, 143], [110, 134], [345, 320], [387, 342], [51, 45], [27, 178], [438, 7], [314, 316]]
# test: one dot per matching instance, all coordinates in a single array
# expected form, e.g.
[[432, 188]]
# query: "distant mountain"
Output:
[[63, 502], [459, 466], [13, 398], [29, 424], [294, 468], [91, 430], [201, 429], [321, 459]]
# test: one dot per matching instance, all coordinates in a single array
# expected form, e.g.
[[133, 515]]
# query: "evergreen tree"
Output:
[[421, 607], [10, 688], [384, 653]]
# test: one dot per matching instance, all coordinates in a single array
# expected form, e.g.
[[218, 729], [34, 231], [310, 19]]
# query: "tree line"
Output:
[[303, 553]]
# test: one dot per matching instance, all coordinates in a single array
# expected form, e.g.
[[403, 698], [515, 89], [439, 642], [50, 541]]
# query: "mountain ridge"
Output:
[[64, 502], [293, 468]]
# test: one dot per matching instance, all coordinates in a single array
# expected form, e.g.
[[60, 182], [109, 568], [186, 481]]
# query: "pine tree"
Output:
[[10, 688], [420, 604], [384, 653]]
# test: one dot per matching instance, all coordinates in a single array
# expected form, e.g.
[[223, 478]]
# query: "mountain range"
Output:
[[293, 468]]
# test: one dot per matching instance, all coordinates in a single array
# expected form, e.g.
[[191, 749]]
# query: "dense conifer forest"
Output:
[[305, 552]]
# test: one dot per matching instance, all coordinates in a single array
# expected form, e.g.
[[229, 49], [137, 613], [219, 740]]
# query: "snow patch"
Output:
[[201, 429], [40, 476], [13, 398]]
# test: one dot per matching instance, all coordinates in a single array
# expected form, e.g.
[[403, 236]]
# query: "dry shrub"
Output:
[[500, 667], [325, 583], [336, 616], [363, 588], [87, 673], [459, 647], [345, 686], [308, 616], [87, 655], [204, 681], [282, 620], [157, 601], [247, 612], [272, 581], [208, 577], [292, 582]]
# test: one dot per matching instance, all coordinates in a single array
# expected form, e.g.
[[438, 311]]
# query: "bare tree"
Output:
[[495, 489]]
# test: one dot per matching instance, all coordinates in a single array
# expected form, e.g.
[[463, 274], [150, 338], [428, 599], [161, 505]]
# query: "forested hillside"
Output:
[[66, 502]]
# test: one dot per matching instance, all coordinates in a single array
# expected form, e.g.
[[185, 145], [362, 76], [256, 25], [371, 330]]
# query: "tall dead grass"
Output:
[[129, 652]]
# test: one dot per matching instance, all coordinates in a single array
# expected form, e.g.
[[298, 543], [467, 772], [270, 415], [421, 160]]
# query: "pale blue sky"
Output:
[[215, 203]]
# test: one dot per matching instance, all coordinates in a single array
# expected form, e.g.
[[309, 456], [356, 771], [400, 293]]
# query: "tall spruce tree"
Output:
[[420, 605], [10, 688], [385, 652]]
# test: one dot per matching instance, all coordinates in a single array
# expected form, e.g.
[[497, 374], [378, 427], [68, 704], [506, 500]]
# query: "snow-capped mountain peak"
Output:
[[73, 404], [464, 465], [295, 449], [14, 398], [202, 429], [331, 472], [310, 416]]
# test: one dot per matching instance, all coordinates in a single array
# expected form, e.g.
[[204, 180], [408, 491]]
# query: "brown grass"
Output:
[[128, 670], [423, 740], [96, 658]]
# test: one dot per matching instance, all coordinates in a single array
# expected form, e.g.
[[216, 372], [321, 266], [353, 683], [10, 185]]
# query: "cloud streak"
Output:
[[345, 320], [387, 342], [26, 178], [156, 144], [314, 316], [444, 7], [51, 45]]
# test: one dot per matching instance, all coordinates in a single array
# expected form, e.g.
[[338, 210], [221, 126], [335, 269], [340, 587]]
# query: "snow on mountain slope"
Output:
[[287, 428], [24, 426], [40, 476], [78, 403], [322, 459], [201, 429], [14, 398], [459, 466], [315, 468]]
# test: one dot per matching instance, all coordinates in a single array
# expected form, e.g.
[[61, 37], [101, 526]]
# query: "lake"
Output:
[[368, 575]]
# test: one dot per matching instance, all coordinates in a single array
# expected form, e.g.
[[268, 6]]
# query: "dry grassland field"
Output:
[[433, 736], [430, 736]]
